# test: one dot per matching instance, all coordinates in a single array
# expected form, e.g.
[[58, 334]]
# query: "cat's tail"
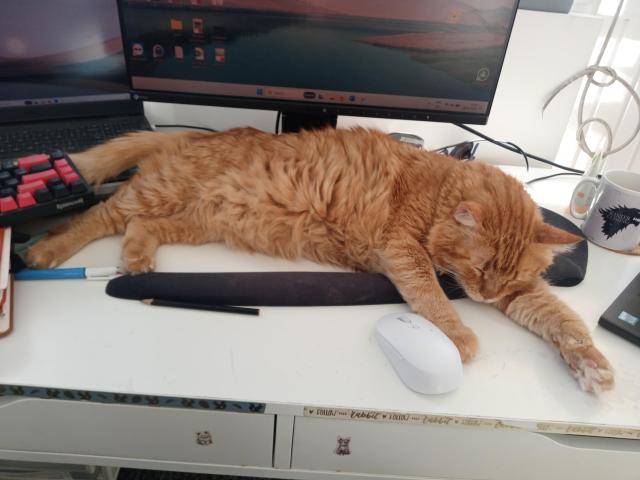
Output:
[[115, 156]]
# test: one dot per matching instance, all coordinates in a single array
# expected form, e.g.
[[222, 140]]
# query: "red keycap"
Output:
[[31, 160], [7, 204], [25, 200], [44, 176], [62, 167], [66, 171], [60, 163], [31, 187], [68, 178]]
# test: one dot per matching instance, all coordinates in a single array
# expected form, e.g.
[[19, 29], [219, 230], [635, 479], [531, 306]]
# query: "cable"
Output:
[[613, 77], [445, 150], [475, 148], [476, 143], [516, 149], [590, 73], [186, 126], [278, 121], [521, 152], [539, 179]]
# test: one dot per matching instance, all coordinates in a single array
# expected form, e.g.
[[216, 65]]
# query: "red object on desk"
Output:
[[31, 187], [65, 171], [6, 284], [7, 204], [44, 176], [58, 164], [69, 177], [25, 199], [31, 160]]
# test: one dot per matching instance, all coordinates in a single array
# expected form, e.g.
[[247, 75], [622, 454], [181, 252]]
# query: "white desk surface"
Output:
[[70, 334]]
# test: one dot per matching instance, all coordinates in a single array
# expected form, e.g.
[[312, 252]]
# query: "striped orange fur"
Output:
[[353, 198]]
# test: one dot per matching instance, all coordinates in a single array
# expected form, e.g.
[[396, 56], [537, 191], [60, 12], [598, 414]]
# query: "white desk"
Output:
[[70, 335]]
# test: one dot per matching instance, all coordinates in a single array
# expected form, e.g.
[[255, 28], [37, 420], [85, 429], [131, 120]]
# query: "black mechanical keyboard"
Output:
[[68, 135], [40, 185]]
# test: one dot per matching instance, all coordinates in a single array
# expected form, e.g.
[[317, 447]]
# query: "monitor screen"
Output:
[[60, 52], [424, 59]]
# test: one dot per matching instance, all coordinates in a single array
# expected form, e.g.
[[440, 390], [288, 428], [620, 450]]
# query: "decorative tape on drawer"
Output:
[[476, 422], [130, 399]]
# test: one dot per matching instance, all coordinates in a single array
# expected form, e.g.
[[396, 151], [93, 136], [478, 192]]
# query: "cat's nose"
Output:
[[489, 290]]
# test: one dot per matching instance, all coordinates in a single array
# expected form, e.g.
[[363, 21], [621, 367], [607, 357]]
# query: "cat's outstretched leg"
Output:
[[61, 243], [409, 267], [144, 235], [544, 314]]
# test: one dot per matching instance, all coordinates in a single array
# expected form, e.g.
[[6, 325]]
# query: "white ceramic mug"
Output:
[[612, 216]]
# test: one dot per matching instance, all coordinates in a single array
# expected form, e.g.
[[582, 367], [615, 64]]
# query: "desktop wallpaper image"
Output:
[[447, 49], [60, 48]]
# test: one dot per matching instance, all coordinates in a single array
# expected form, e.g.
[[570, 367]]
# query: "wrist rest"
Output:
[[269, 289], [297, 289]]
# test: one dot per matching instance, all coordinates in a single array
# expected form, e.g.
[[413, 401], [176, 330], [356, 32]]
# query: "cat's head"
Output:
[[498, 244]]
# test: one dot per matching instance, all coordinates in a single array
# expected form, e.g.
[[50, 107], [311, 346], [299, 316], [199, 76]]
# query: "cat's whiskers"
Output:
[[459, 286], [447, 271]]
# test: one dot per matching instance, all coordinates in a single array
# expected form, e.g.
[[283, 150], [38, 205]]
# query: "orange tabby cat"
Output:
[[354, 198]]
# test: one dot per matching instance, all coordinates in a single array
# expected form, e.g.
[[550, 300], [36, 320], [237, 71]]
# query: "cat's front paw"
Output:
[[590, 367], [465, 340]]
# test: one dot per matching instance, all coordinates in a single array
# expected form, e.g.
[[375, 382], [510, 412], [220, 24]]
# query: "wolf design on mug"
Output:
[[618, 218]]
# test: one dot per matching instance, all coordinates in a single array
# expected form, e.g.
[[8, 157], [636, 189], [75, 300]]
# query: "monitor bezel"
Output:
[[101, 108], [321, 108], [306, 108]]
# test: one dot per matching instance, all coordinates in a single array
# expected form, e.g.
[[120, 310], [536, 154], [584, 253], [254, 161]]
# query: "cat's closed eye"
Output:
[[480, 271]]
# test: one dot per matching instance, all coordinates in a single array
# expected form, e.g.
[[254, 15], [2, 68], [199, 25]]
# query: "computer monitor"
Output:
[[435, 60], [60, 59]]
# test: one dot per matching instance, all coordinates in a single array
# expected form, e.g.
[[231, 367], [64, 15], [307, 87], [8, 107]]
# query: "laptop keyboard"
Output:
[[70, 136]]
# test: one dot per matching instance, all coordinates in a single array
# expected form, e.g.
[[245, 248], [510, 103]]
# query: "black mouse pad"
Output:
[[313, 288], [568, 269]]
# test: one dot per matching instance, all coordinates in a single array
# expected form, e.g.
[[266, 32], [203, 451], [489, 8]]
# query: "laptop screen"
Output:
[[60, 52]]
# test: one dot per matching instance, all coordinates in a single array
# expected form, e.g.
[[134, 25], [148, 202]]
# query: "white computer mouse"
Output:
[[426, 359]]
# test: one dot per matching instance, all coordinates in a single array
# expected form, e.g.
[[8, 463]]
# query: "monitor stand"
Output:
[[294, 122]]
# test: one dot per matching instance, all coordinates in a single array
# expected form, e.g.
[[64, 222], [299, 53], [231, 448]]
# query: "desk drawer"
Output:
[[139, 432], [458, 452]]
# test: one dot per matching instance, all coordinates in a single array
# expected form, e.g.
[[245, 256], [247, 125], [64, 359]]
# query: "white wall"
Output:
[[612, 104], [545, 48]]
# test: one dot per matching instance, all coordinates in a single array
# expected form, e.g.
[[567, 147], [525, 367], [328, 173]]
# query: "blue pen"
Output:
[[88, 273]]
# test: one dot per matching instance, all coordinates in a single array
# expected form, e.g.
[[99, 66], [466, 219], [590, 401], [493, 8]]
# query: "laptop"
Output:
[[623, 315], [63, 81]]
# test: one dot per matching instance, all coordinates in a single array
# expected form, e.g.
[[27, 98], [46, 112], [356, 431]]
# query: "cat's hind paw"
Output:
[[47, 253], [138, 254], [141, 264], [591, 369]]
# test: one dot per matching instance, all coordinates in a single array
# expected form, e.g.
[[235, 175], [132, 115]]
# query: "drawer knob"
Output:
[[204, 438], [343, 446]]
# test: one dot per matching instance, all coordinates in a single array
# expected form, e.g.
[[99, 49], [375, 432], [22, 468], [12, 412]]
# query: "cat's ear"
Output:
[[551, 235], [468, 213]]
